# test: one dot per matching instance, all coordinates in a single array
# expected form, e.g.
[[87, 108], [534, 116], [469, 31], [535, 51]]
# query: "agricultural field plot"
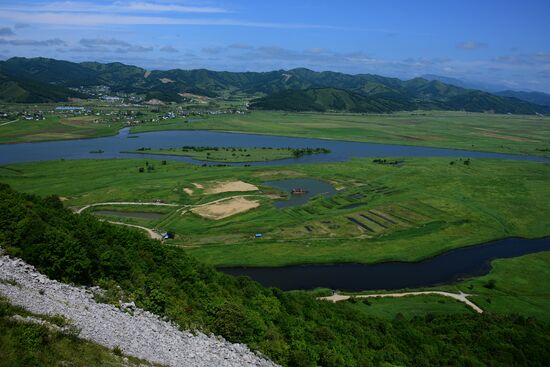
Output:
[[379, 212], [444, 129], [55, 128]]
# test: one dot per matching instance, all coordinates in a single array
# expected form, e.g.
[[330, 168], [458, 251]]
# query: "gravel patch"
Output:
[[140, 334]]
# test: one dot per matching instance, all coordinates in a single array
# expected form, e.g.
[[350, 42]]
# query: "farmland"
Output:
[[380, 212]]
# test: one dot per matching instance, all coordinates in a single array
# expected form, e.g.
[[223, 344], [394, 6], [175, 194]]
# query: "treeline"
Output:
[[292, 328]]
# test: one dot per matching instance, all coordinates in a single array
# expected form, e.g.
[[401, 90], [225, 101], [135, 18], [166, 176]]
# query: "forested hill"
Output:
[[22, 90], [358, 93], [292, 328], [330, 99]]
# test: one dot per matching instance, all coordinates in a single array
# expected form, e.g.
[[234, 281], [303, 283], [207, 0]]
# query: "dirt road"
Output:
[[461, 297]]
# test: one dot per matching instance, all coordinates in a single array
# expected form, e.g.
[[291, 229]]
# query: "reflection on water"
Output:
[[312, 188]]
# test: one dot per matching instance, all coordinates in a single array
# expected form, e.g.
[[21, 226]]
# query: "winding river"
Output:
[[444, 268], [448, 267], [113, 145]]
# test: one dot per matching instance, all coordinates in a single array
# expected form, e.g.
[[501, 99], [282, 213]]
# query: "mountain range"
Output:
[[499, 90], [45, 80]]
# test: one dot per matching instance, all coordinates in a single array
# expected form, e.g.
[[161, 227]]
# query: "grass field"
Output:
[[380, 213], [444, 129], [55, 128], [229, 154]]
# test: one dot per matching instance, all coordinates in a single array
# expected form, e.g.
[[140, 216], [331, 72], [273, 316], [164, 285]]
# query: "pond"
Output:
[[113, 145], [312, 188], [125, 214], [442, 269]]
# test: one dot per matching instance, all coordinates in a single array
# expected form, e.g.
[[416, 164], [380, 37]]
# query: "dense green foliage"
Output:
[[292, 328], [25, 344], [416, 94], [321, 90], [22, 90]]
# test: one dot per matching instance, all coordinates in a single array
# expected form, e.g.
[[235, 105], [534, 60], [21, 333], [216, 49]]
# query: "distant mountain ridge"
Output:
[[317, 90], [499, 90]]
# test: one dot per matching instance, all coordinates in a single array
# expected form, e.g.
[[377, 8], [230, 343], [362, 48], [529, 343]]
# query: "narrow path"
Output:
[[124, 203], [154, 235], [9, 122], [461, 297]]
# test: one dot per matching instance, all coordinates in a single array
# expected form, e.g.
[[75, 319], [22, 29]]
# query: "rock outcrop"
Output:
[[136, 332]]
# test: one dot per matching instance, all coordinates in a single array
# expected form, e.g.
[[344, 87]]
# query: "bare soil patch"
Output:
[[198, 185], [227, 208], [188, 191], [230, 186]]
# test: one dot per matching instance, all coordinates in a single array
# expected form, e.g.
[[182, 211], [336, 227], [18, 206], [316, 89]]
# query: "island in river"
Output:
[[233, 154]]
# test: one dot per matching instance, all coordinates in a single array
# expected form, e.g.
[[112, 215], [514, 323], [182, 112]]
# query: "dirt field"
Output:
[[188, 191], [198, 185], [225, 208], [231, 186]]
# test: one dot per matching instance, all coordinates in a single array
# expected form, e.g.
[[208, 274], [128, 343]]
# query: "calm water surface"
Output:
[[445, 268], [313, 188], [113, 145]]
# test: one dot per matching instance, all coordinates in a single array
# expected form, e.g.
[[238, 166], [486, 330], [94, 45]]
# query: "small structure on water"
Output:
[[298, 191]]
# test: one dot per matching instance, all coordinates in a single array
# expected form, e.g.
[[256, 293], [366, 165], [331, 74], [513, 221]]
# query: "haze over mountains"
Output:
[[34, 80]]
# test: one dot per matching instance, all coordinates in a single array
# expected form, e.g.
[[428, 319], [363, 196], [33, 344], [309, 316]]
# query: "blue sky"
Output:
[[501, 42]]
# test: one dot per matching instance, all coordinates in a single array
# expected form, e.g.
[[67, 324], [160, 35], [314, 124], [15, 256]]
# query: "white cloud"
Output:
[[168, 49], [114, 7], [40, 43], [95, 19], [471, 45], [6, 31]]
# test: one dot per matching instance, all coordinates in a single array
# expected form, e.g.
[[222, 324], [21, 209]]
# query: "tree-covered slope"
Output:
[[431, 96], [322, 90], [292, 328], [20, 90], [330, 99]]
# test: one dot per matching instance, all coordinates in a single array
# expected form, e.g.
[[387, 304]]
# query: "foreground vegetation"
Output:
[[460, 130], [28, 344], [291, 327], [233, 154]]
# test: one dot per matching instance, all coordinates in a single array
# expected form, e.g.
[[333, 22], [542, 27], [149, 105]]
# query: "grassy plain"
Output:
[[418, 209], [444, 129], [55, 128], [222, 154]]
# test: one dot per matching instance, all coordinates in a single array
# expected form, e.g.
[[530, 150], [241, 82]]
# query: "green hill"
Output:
[[424, 96], [31, 91], [322, 90], [292, 328], [330, 99]]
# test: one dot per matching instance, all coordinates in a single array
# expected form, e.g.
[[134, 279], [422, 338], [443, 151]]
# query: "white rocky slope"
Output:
[[142, 335]]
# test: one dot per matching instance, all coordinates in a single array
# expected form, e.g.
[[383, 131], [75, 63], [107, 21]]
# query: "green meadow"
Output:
[[381, 212], [55, 128]]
